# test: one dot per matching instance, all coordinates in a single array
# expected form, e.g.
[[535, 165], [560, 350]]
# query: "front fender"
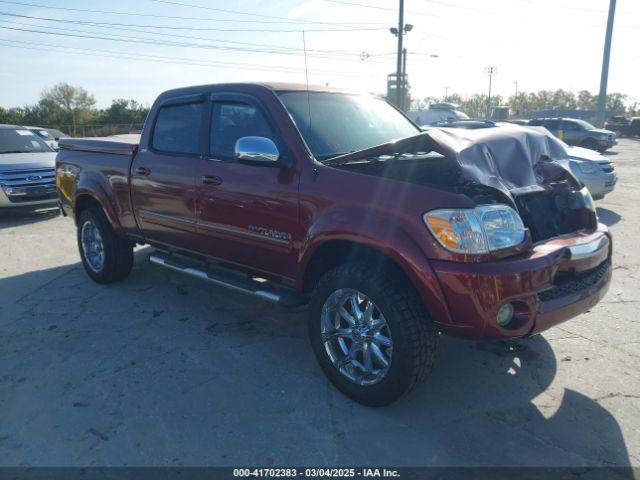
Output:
[[368, 229]]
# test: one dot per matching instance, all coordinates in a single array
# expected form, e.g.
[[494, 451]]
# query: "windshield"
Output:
[[20, 141], [343, 123], [42, 134], [585, 125]]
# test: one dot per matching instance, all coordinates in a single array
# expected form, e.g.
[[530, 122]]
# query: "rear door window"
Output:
[[177, 129]]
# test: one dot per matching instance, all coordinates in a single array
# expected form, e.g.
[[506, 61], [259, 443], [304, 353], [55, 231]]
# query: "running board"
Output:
[[231, 279]]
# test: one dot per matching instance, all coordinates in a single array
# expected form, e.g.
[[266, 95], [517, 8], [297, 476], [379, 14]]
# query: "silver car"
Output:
[[593, 169], [27, 169]]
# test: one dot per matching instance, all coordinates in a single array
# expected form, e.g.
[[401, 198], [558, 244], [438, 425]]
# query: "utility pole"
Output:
[[604, 77], [446, 93], [491, 71], [403, 95], [400, 32], [515, 98], [399, 59]]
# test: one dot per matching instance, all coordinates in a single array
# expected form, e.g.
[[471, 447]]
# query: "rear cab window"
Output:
[[177, 129]]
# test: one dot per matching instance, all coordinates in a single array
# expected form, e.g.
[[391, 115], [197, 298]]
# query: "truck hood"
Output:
[[512, 159], [27, 161]]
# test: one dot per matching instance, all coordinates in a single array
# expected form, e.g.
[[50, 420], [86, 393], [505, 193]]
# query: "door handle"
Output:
[[143, 171], [211, 180]]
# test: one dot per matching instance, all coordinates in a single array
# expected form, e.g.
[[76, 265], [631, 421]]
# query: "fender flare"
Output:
[[93, 189]]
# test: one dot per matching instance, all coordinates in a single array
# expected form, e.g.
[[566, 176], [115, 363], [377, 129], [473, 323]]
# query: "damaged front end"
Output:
[[503, 274], [507, 165]]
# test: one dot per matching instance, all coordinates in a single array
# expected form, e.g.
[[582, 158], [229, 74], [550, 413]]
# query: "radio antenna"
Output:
[[306, 73]]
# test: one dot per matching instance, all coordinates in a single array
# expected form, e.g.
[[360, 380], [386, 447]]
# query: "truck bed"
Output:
[[115, 145]]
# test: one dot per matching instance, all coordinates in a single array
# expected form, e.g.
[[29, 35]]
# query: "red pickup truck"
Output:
[[316, 196]]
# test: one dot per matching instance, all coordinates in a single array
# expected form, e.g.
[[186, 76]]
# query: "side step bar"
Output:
[[228, 278]]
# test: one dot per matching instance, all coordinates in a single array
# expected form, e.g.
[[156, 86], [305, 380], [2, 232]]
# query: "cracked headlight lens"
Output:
[[483, 229]]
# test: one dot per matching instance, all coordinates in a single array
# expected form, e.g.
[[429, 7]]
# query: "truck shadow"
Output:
[[210, 377], [18, 217], [608, 217]]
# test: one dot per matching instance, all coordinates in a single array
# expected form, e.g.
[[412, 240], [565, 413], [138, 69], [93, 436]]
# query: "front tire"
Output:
[[589, 143], [371, 334], [106, 257]]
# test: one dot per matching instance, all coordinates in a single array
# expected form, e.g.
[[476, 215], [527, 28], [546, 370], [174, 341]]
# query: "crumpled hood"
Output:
[[27, 161], [508, 157]]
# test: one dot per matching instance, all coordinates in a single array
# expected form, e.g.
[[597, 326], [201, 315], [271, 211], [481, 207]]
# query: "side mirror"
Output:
[[256, 150]]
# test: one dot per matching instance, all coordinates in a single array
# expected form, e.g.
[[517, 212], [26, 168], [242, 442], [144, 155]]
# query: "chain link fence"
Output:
[[98, 130]]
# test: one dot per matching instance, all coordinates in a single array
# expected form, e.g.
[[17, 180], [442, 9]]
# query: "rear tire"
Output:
[[409, 339], [106, 257]]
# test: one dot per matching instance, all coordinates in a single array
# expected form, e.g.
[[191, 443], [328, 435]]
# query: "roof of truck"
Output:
[[274, 86]]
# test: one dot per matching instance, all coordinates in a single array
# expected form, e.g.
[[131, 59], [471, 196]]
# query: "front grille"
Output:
[[566, 284], [23, 186], [20, 178]]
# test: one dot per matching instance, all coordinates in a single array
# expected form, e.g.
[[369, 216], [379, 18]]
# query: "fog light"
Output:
[[505, 314]]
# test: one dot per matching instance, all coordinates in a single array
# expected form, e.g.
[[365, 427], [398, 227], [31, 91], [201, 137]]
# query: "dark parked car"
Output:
[[391, 235], [623, 126], [574, 131]]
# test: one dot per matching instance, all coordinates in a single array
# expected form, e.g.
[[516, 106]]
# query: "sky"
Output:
[[139, 48]]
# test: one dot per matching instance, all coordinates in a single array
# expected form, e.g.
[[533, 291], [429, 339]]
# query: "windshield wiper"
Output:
[[16, 151], [328, 156]]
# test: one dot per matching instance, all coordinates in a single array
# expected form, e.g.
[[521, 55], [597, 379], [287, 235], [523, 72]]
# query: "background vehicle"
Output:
[[27, 174], [319, 196], [577, 132], [592, 168], [50, 135], [623, 126], [437, 112]]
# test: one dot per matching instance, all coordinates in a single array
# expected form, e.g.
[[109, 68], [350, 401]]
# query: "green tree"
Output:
[[124, 111], [66, 100]]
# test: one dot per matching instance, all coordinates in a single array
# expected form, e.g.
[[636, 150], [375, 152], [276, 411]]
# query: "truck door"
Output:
[[163, 175], [247, 213]]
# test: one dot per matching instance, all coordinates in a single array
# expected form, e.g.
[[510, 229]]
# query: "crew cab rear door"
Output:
[[163, 175], [247, 213]]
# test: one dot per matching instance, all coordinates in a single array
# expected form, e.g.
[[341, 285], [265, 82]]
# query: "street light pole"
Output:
[[515, 98], [491, 71], [604, 77], [399, 59]]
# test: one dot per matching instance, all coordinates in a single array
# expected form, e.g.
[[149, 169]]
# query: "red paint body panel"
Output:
[[310, 204]]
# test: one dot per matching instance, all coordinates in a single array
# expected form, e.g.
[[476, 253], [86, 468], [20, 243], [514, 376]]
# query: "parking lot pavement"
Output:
[[164, 370]]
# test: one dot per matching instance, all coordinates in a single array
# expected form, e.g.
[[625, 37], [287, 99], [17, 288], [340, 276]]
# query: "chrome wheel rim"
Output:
[[356, 337], [92, 246]]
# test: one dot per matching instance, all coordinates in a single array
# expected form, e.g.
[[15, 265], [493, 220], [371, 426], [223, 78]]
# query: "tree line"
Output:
[[525, 103], [71, 109]]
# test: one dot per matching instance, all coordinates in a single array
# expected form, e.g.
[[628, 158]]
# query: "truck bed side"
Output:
[[98, 170]]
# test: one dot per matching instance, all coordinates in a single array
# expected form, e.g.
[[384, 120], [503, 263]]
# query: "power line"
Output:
[[267, 48], [354, 4], [155, 42], [174, 17], [167, 59], [76, 33], [461, 7], [237, 12]]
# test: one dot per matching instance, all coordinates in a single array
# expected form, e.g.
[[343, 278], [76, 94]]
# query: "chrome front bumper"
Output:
[[16, 197]]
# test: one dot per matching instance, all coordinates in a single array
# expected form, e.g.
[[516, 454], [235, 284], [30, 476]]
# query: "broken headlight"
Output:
[[483, 229]]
